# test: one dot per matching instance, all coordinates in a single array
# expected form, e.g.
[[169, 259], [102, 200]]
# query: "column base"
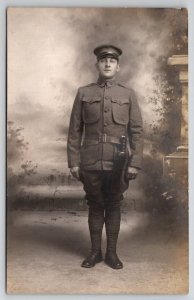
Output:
[[176, 164], [182, 148]]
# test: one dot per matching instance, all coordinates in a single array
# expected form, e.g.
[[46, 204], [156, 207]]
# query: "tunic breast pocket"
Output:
[[120, 110], [91, 109]]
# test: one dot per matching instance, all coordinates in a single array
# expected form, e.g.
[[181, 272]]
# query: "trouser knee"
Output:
[[113, 202]]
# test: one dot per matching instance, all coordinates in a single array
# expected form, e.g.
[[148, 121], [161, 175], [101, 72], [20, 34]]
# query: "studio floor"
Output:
[[45, 250]]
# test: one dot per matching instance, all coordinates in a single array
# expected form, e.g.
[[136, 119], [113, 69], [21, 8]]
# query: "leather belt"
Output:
[[102, 138]]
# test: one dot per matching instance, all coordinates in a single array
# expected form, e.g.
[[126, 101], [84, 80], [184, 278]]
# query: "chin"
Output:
[[107, 76]]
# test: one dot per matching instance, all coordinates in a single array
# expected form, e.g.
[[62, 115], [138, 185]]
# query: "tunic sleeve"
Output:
[[135, 131], [75, 133]]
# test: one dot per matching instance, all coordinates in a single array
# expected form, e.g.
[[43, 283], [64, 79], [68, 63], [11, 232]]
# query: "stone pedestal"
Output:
[[175, 165]]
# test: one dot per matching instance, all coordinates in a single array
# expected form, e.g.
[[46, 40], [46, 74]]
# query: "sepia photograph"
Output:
[[97, 151]]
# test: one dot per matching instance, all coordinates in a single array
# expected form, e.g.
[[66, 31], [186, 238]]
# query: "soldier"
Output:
[[105, 150]]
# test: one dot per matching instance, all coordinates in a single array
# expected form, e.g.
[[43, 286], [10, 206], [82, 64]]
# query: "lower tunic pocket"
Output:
[[89, 154], [108, 152]]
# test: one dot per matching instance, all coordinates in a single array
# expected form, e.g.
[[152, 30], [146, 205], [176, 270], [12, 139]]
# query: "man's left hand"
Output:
[[132, 173]]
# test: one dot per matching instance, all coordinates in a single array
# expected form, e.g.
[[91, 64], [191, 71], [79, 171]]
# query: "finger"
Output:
[[129, 176], [78, 175], [74, 174]]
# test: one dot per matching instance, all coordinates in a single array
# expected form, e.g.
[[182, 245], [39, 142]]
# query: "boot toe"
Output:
[[92, 259], [113, 261], [87, 264], [118, 265]]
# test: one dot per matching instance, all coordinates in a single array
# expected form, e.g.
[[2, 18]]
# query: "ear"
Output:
[[118, 67], [96, 65]]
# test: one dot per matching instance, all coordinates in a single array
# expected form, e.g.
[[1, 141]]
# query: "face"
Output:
[[107, 67]]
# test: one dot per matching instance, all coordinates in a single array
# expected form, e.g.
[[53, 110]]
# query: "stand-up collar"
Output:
[[109, 82]]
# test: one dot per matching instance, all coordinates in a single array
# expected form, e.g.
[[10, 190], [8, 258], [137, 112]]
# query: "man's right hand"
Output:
[[75, 172]]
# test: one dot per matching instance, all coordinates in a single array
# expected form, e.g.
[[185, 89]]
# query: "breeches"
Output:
[[102, 188], [103, 195]]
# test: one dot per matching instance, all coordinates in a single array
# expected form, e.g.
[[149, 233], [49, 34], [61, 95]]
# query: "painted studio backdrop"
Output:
[[50, 55]]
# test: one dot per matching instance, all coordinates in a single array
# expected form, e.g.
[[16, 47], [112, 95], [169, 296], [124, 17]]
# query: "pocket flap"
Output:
[[90, 99], [120, 101]]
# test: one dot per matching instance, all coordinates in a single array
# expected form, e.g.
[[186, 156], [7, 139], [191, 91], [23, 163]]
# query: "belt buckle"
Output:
[[103, 138]]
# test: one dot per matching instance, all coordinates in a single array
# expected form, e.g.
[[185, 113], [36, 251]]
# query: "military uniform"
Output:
[[102, 113]]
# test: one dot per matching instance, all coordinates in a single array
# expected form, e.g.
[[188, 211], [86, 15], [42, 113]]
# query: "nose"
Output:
[[107, 62]]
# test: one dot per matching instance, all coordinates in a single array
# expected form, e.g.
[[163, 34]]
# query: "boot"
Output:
[[95, 222], [112, 260], [92, 259], [112, 223]]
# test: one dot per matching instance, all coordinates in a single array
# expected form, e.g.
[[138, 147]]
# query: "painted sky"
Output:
[[50, 55]]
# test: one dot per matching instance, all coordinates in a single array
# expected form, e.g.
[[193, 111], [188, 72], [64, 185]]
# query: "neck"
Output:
[[104, 79]]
